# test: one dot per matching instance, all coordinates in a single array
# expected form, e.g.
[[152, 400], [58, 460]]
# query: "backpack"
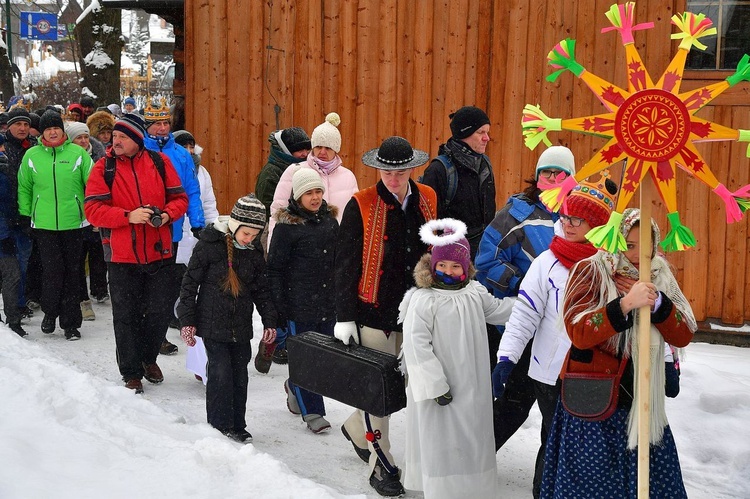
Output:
[[451, 174], [110, 167]]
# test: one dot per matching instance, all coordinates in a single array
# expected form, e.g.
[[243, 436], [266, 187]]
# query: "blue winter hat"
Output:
[[130, 101]]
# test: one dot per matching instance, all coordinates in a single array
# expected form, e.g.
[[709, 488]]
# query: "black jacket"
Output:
[[301, 263], [215, 314], [402, 250], [474, 202]]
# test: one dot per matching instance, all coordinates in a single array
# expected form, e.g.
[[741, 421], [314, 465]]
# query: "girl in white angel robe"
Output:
[[450, 448]]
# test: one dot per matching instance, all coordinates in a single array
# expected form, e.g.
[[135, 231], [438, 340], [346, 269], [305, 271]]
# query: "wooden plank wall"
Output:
[[399, 67]]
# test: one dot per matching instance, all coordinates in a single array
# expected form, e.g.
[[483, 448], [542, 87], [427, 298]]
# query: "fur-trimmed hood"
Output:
[[423, 272], [295, 215]]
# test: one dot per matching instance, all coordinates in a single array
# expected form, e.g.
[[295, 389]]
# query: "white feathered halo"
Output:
[[453, 231]]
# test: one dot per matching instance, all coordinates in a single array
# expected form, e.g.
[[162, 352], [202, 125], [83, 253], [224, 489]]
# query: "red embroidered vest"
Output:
[[374, 211]]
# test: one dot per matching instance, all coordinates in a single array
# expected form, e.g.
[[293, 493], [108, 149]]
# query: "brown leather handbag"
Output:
[[592, 396]]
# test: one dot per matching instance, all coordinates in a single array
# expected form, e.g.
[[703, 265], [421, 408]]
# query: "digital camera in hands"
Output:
[[155, 217]]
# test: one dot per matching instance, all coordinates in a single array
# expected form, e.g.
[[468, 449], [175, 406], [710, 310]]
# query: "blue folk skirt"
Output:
[[590, 459]]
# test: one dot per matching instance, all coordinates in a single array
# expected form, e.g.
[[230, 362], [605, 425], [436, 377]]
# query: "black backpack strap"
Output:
[[110, 167], [451, 175], [159, 163]]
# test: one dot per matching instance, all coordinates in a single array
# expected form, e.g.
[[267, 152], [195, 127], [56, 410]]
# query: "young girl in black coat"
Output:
[[225, 278], [300, 270]]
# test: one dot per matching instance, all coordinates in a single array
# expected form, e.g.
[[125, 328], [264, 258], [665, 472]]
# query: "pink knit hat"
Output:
[[451, 245]]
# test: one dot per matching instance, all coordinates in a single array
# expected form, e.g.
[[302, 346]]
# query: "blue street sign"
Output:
[[38, 26]]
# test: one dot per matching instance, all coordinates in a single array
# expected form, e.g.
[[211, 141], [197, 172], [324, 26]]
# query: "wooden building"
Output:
[[399, 67]]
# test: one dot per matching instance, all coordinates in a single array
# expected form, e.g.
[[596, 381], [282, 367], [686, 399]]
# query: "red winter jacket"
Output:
[[137, 183]]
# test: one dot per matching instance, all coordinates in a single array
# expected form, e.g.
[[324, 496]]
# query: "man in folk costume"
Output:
[[378, 248]]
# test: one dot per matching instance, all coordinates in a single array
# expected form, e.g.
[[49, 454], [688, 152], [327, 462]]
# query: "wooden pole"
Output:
[[644, 340]]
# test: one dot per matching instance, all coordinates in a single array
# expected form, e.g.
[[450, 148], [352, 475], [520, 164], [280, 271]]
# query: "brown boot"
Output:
[[134, 384], [152, 373], [264, 356]]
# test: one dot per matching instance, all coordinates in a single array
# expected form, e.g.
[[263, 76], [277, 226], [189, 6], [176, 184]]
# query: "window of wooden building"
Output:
[[732, 21]]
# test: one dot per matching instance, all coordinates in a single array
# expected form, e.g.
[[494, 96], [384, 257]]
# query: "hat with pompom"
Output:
[[451, 245], [327, 134], [592, 201]]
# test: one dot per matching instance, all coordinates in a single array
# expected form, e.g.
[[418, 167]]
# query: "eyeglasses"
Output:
[[572, 221], [550, 174]]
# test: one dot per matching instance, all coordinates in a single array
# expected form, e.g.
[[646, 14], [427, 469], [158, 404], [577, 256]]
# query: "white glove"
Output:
[[345, 331]]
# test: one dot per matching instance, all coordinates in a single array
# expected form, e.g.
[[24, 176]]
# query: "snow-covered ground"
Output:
[[69, 429]]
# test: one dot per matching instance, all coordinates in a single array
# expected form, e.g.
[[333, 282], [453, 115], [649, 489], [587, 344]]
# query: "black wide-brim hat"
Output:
[[395, 153]]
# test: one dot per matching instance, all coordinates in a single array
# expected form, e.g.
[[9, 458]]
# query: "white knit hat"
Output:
[[558, 157], [326, 134], [305, 179]]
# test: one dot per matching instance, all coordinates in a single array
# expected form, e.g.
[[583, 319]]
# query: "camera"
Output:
[[155, 218]]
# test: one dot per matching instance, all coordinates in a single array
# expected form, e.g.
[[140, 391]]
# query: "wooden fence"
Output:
[[399, 67]]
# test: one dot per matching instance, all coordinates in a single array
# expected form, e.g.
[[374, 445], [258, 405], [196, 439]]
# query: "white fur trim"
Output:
[[428, 236]]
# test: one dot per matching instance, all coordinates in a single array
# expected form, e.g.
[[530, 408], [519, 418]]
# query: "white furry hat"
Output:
[[327, 134]]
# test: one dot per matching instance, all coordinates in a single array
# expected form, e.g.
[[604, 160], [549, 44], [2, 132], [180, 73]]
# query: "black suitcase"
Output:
[[354, 375]]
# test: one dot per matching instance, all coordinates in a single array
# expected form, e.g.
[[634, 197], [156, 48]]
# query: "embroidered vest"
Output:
[[374, 212]]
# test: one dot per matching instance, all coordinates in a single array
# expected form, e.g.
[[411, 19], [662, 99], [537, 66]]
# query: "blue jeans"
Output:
[[23, 252], [309, 402]]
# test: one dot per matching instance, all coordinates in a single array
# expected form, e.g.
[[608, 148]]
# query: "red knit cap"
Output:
[[592, 201]]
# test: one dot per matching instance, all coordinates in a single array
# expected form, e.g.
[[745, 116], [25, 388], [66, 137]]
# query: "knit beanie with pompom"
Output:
[[327, 134]]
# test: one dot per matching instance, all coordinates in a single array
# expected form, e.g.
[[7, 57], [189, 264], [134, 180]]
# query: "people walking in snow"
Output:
[[92, 250], [449, 447], [195, 360], [224, 281], [133, 207], [518, 234], [17, 142], [462, 175], [340, 184], [535, 321], [301, 262], [288, 146], [378, 248], [10, 273], [598, 458], [51, 184], [160, 138]]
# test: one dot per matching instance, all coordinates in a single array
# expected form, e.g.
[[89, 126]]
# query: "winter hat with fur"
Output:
[[305, 179], [592, 201], [74, 129], [50, 119], [249, 211], [100, 121], [451, 245], [466, 121], [556, 157], [327, 134]]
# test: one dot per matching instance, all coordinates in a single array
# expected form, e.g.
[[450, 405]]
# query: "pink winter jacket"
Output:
[[341, 185]]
